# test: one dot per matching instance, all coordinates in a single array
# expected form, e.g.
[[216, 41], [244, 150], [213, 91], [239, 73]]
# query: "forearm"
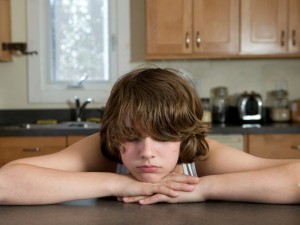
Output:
[[272, 185], [26, 184]]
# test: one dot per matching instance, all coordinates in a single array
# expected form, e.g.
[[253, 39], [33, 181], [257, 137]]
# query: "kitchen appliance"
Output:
[[250, 107]]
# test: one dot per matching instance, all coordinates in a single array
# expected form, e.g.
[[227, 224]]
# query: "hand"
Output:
[[193, 196], [175, 183]]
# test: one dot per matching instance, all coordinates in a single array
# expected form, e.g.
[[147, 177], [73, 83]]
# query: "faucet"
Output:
[[79, 108]]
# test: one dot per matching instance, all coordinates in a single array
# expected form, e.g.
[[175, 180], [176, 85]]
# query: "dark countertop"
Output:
[[9, 119], [106, 211], [272, 128], [280, 128], [65, 131]]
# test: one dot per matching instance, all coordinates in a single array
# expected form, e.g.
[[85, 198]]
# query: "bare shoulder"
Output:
[[84, 155], [225, 159]]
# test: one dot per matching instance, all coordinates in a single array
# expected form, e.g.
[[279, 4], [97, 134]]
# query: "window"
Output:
[[78, 48], [79, 34]]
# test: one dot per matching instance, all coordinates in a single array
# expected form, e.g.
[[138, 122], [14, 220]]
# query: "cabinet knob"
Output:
[[187, 40], [282, 41], [198, 39], [295, 147], [34, 149], [294, 37]]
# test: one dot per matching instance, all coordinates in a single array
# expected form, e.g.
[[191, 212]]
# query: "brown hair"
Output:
[[158, 102]]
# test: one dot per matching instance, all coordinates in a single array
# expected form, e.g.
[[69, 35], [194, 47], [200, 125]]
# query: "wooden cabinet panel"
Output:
[[192, 28], [270, 26], [275, 146], [263, 26], [73, 139], [12, 148], [169, 26], [216, 26], [5, 29]]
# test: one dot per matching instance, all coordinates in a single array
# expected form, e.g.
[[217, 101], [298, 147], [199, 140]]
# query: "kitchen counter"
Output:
[[108, 211], [55, 130], [280, 128], [272, 128], [10, 121]]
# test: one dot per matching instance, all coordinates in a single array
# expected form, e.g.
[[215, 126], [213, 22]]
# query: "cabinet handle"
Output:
[[198, 39], [282, 38], [187, 40], [34, 149], [295, 147], [294, 37]]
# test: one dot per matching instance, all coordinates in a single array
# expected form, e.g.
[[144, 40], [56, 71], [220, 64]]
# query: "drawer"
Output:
[[12, 148], [275, 146]]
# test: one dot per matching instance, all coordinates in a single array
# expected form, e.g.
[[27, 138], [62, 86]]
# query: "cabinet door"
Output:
[[12, 148], [264, 26], [216, 26], [73, 139], [294, 25], [169, 27], [275, 146], [5, 35]]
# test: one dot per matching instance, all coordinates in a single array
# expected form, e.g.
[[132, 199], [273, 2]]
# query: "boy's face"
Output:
[[149, 160]]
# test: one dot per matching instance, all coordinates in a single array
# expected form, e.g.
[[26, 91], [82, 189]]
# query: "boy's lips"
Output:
[[148, 168]]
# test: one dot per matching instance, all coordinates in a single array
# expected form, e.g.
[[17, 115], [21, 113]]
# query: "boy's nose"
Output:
[[146, 148]]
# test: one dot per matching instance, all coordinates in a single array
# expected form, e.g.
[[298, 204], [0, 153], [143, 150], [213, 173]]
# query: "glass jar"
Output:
[[279, 106], [219, 104], [206, 110]]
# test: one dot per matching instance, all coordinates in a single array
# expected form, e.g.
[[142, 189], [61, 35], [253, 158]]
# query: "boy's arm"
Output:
[[229, 174], [77, 172]]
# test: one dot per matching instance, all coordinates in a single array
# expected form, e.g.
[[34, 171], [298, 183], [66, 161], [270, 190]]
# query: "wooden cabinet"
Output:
[[275, 146], [192, 28], [270, 26], [294, 26], [216, 26], [12, 148], [73, 139], [5, 29]]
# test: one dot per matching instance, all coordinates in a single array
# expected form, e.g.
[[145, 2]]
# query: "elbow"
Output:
[[3, 187], [294, 171], [7, 184]]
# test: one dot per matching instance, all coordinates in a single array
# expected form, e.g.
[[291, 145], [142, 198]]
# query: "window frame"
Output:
[[40, 91]]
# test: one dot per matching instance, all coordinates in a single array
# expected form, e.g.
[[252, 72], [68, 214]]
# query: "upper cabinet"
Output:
[[5, 33], [190, 28], [294, 26], [270, 26], [169, 27], [222, 29], [216, 26]]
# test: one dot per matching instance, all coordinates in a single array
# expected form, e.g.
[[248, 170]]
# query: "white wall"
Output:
[[260, 75]]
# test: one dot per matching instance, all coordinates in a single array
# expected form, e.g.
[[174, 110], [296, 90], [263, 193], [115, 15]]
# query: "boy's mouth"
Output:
[[148, 168]]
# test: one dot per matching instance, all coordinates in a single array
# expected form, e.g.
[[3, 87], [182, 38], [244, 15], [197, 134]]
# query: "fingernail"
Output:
[[299, 184]]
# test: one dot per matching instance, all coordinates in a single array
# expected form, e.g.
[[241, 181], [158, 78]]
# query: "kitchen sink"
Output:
[[82, 124]]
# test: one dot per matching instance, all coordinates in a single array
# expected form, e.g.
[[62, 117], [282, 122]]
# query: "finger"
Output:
[[180, 186], [133, 199], [157, 198], [182, 178], [159, 189]]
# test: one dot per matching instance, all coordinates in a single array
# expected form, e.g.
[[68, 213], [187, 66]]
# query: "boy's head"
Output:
[[159, 103]]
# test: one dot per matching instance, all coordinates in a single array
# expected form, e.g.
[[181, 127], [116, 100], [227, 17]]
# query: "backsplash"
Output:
[[259, 75]]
